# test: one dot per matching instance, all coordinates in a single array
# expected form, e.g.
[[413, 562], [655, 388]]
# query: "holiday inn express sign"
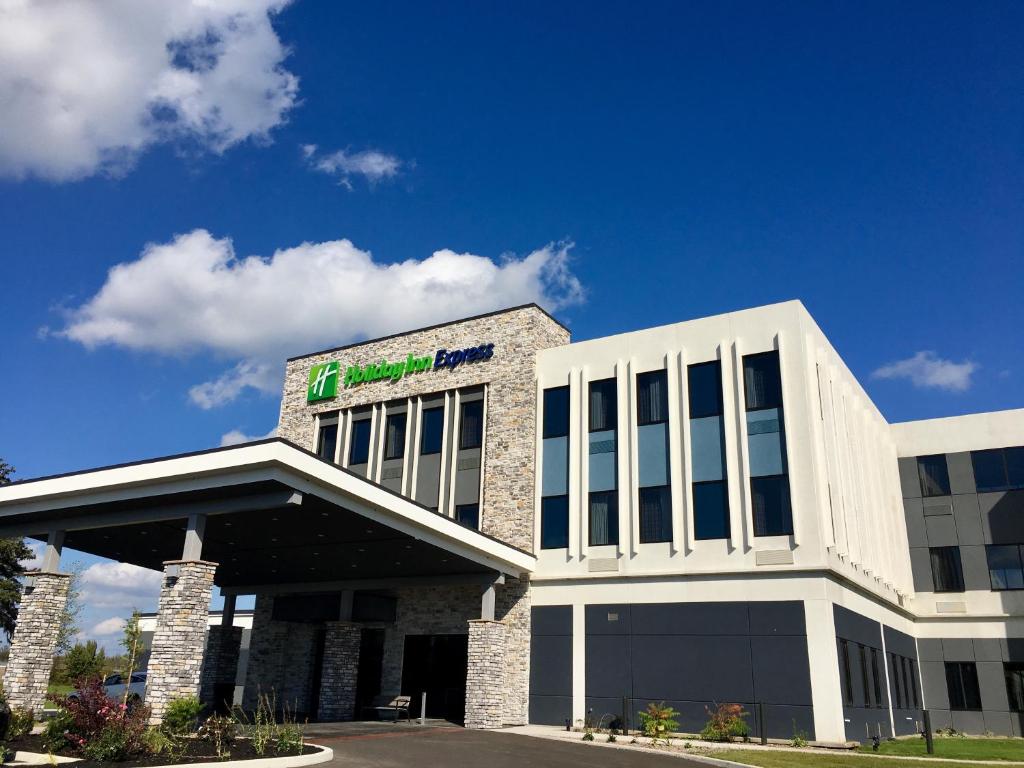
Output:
[[323, 378]]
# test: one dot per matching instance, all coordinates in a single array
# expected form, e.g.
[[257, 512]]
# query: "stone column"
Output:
[[514, 610], [35, 639], [485, 674], [263, 673], [176, 658], [220, 664], [340, 668]]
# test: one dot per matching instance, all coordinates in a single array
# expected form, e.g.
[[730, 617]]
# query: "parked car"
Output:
[[114, 685]]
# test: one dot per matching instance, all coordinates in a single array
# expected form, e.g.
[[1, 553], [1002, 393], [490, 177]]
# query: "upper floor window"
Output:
[[1000, 469], [468, 515], [394, 436], [1005, 566], [471, 425], [934, 475], [962, 684], [359, 444], [947, 572], [327, 440], [554, 522], [655, 514], [762, 381], [651, 398], [432, 430], [603, 413], [707, 451], [556, 412], [766, 445]]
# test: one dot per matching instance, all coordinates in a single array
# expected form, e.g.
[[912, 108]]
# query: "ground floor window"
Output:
[[962, 684], [1015, 686]]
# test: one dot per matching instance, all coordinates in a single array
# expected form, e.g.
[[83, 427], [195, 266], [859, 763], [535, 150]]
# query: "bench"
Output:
[[390, 705]]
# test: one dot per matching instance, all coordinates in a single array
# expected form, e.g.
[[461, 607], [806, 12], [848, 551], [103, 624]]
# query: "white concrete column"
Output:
[[193, 549], [823, 658]]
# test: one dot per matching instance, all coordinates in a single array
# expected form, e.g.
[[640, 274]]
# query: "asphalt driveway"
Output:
[[442, 746]]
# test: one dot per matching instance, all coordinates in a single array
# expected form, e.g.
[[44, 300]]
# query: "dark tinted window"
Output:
[[603, 411], [962, 683], [554, 522], [897, 673], [762, 383], [1015, 685], [651, 398], [947, 573], [862, 653], [1005, 566], [432, 430], [468, 515], [876, 678], [844, 660], [772, 513], [710, 510], [471, 425], [934, 475], [327, 441], [705, 389], [359, 447], [910, 681], [999, 469], [556, 412], [655, 514], [394, 436], [1015, 467], [604, 518]]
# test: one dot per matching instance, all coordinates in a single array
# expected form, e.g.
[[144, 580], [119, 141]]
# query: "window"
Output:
[[766, 445], [947, 573], [910, 681], [772, 511], [862, 652], [707, 449], [875, 679], [1005, 566], [554, 522], [762, 382], [844, 659], [471, 425], [1015, 685], [556, 412], [394, 436], [710, 511], [704, 387], [327, 441], [897, 668], [603, 411], [1001, 469], [604, 518], [432, 431], [655, 514], [359, 447], [962, 684], [933, 474], [652, 398], [468, 515]]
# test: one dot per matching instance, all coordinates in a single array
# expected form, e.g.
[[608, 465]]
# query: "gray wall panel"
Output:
[[551, 620], [853, 626], [550, 710], [961, 472], [608, 671], [958, 649], [968, 722], [607, 619], [1003, 516], [690, 619], [967, 514], [933, 678], [898, 642], [917, 536], [975, 565], [704, 668], [1013, 649], [921, 567], [992, 681], [782, 673], [930, 649], [941, 531], [910, 481], [777, 618], [987, 649], [551, 665]]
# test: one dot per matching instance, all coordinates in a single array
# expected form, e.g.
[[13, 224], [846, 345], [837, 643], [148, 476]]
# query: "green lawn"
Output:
[[775, 758], [956, 749], [60, 689]]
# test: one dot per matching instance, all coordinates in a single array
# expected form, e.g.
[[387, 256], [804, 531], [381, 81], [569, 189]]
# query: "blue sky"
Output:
[[628, 167]]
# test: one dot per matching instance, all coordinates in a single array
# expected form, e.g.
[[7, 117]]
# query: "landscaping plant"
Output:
[[96, 726], [219, 730], [182, 716], [725, 722], [20, 723], [658, 721]]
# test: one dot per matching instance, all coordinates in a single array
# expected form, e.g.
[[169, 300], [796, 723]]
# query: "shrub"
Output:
[[21, 722], [219, 730], [724, 722], [658, 721], [182, 716], [83, 662], [56, 730], [98, 727], [289, 739]]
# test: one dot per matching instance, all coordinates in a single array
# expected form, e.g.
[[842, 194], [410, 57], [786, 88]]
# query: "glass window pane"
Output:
[[762, 383], [1004, 566], [327, 441], [432, 430], [1015, 467], [707, 449], [468, 515], [772, 513], [603, 410], [604, 518], [1015, 685], [947, 573], [844, 658], [554, 522], [394, 436], [471, 425], [989, 470], [556, 412], [652, 397], [359, 447], [655, 515], [876, 678], [705, 389], [710, 511], [896, 668], [934, 475], [766, 442]]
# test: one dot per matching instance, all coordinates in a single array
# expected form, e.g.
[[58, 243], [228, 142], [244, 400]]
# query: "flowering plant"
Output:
[[91, 718]]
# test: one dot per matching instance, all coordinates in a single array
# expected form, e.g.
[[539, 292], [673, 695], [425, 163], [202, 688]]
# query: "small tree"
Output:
[[131, 641], [84, 661], [12, 552], [68, 627]]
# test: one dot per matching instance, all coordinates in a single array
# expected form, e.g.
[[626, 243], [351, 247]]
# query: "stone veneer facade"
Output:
[[176, 659], [340, 670], [282, 657], [35, 639], [220, 663], [510, 432], [485, 674]]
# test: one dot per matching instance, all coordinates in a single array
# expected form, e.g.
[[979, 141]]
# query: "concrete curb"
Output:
[[288, 761]]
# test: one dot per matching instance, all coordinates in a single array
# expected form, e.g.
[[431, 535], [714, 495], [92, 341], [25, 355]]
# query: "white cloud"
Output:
[[237, 437], [928, 370], [35, 562], [193, 294], [87, 85], [120, 585], [371, 164], [112, 626]]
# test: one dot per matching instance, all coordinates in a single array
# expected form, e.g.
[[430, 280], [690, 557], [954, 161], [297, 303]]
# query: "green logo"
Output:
[[323, 382]]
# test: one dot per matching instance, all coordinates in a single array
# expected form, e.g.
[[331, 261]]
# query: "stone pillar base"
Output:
[[176, 659], [340, 669], [220, 665], [485, 674], [35, 639]]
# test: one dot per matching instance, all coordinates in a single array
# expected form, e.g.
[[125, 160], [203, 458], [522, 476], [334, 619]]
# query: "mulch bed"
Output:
[[197, 751]]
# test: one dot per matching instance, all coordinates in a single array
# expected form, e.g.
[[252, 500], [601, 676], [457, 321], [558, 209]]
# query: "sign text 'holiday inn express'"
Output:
[[323, 378]]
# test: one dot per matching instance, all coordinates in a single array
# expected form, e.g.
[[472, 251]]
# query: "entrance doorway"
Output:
[[436, 664], [371, 666]]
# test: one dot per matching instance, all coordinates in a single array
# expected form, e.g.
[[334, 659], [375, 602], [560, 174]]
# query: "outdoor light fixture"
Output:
[[171, 572], [30, 583]]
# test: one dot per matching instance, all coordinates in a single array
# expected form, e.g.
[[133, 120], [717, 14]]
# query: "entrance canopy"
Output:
[[276, 517]]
